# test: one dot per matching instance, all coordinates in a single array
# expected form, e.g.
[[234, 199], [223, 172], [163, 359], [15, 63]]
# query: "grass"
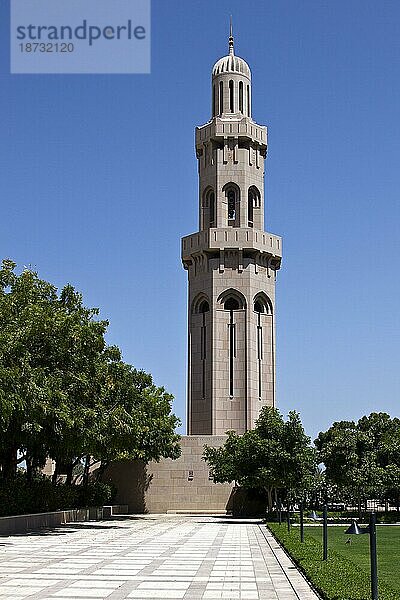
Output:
[[346, 574], [388, 550]]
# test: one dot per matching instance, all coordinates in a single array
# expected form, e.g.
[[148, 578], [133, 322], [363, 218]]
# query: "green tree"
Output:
[[133, 420], [275, 455], [64, 393], [362, 459]]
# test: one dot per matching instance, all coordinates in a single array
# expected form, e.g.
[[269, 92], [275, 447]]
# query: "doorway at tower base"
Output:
[[179, 486]]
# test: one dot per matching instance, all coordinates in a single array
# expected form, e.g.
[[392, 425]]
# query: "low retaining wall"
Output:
[[24, 523]]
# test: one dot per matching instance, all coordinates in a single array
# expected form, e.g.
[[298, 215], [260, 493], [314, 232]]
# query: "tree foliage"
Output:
[[276, 454], [363, 459], [64, 393]]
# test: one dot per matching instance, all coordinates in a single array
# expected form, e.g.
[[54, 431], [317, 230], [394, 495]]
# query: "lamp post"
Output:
[[354, 529], [301, 522], [288, 515], [372, 551], [279, 507]]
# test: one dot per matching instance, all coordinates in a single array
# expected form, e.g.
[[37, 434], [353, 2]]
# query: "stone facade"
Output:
[[232, 264], [181, 485]]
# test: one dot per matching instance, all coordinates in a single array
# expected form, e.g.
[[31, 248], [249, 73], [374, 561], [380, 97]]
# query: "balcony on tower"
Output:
[[246, 239], [240, 128]]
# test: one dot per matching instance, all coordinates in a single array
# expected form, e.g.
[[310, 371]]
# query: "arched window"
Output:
[[221, 97], [201, 306], [231, 100], [250, 211], [235, 298], [248, 102], [212, 209], [241, 96], [232, 195], [208, 206], [253, 201], [204, 307], [258, 307], [232, 300], [231, 304], [262, 305]]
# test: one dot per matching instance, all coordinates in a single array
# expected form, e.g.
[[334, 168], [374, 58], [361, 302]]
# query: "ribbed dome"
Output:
[[231, 64]]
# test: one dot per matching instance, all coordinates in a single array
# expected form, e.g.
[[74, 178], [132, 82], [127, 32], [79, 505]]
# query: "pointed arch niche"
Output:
[[208, 216], [262, 307], [234, 305], [200, 338], [253, 207], [232, 198]]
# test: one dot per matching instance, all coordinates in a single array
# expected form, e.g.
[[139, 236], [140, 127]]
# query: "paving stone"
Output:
[[169, 557]]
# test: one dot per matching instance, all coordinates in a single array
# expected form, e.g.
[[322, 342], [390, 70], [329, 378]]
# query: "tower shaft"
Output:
[[232, 264]]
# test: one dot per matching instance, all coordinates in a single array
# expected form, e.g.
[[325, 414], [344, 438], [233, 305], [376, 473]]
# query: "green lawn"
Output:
[[346, 574], [388, 549]]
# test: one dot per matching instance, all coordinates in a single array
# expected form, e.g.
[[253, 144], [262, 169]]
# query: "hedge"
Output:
[[19, 496]]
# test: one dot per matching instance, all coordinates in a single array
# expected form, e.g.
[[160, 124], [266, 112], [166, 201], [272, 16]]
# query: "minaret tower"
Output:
[[232, 263]]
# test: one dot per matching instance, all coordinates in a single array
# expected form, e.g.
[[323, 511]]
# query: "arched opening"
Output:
[[201, 306], [233, 201], [204, 307], [253, 201], [262, 306], [231, 97], [221, 97], [248, 102], [232, 301], [232, 294], [241, 96], [208, 208], [231, 304], [212, 209], [258, 307], [250, 210]]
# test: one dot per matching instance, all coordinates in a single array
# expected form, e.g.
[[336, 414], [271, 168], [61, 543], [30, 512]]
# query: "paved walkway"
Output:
[[170, 557]]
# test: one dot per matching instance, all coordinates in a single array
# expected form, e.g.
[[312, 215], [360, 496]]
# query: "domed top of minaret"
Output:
[[231, 63]]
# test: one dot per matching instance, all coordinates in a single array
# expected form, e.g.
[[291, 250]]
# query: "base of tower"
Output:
[[179, 486]]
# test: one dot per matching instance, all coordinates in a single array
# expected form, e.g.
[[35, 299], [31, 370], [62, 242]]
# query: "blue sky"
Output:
[[98, 182]]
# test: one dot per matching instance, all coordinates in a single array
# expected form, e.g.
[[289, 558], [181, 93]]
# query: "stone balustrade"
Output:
[[231, 237]]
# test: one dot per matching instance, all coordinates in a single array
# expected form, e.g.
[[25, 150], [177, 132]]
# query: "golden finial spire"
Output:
[[231, 51]]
